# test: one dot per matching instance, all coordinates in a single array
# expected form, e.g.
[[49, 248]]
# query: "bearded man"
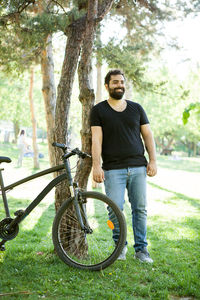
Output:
[[119, 129]]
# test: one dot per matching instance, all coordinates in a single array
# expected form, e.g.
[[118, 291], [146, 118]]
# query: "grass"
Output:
[[29, 269], [177, 163]]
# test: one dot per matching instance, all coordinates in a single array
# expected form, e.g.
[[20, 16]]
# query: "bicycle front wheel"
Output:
[[93, 248]]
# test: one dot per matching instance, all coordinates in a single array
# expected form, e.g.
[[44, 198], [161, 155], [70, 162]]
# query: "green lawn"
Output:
[[29, 269]]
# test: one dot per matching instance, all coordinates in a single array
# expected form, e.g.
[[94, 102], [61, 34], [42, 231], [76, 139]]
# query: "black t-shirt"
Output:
[[122, 145]]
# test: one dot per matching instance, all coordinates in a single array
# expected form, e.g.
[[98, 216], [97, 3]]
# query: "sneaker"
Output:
[[122, 256], [143, 256]]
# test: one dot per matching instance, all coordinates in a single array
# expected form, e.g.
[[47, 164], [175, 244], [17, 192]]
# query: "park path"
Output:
[[175, 193], [183, 182]]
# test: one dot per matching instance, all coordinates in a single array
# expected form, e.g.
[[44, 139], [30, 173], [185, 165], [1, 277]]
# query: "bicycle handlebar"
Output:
[[75, 151], [62, 146]]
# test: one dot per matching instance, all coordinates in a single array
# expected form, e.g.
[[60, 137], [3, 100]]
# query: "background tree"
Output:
[[33, 121], [31, 26], [14, 101]]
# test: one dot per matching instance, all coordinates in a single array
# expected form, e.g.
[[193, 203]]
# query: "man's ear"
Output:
[[106, 86]]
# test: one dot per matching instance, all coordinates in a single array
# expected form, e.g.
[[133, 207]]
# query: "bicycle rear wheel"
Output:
[[95, 249]]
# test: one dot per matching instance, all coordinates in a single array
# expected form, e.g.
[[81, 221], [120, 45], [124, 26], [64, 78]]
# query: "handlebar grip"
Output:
[[84, 155], [62, 146], [80, 153]]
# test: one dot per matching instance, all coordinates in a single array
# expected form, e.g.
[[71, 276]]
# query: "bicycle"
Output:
[[83, 226]]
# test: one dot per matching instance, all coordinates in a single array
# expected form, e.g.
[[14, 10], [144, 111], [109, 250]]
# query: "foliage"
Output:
[[143, 21], [14, 104], [127, 59], [164, 109], [191, 107], [26, 30]]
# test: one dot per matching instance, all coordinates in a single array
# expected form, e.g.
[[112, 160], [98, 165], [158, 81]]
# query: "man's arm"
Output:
[[151, 149], [97, 137]]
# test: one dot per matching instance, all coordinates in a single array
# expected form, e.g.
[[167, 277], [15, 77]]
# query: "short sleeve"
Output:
[[94, 117], [143, 116]]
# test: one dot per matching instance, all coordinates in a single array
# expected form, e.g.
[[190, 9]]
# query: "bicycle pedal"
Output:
[[2, 248], [19, 213]]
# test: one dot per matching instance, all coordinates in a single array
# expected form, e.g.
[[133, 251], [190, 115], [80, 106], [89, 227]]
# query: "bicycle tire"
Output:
[[99, 250]]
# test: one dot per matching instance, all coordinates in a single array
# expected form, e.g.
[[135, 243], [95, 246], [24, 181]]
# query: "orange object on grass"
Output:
[[110, 224]]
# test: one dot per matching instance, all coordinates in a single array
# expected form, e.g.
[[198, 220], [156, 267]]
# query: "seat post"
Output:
[[5, 201]]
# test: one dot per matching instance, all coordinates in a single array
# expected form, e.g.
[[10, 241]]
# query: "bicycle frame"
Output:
[[43, 193], [39, 197], [22, 214]]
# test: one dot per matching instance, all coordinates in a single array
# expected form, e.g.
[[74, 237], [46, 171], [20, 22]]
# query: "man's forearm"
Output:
[[150, 147], [96, 154], [98, 173]]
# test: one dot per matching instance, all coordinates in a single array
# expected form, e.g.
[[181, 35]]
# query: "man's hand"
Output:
[[151, 168], [98, 174]]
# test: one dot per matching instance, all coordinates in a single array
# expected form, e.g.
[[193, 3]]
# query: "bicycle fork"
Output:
[[80, 210]]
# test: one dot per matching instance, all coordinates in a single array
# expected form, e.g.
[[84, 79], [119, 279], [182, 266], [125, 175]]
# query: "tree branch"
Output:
[[103, 9], [149, 6], [57, 3], [15, 15]]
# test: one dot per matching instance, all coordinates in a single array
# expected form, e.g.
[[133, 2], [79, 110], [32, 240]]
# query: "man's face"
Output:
[[116, 87]]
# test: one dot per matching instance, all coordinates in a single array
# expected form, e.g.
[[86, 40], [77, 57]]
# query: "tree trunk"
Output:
[[99, 82], [96, 185], [129, 90], [49, 94], [194, 149], [80, 29], [16, 130], [86, 98], [99, 65], [33, 120], [6, 136], [75, 36]]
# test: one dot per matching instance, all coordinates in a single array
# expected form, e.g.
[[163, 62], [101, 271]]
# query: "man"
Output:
[[117, 126]]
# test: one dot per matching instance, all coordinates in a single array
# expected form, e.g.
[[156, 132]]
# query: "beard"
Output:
[[116, 94]]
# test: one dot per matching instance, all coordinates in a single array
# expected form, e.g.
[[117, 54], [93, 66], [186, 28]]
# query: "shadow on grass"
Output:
[[193, 201], [9, 150], [40, 232], [175, 268]]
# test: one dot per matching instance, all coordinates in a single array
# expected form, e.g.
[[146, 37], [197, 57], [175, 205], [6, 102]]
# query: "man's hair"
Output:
[[113, 72]]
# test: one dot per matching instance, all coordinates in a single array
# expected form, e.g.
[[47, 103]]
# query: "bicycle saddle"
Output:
[[5, 159]]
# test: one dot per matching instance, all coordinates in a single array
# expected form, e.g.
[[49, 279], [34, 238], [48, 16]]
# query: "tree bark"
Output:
[[96, 185], [82, 30], [129, 90], [75, 35], [99, 66], [49, 94], [99, 82], [16, 130], [33, 120], [86, 96], [194, 149]]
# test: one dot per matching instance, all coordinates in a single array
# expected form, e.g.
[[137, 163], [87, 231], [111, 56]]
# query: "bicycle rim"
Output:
[[95, 250]]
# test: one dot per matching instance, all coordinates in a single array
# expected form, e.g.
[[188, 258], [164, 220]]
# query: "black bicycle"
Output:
[[84, 225]]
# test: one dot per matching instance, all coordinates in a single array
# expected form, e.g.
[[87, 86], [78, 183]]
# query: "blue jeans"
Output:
[[134, 179]]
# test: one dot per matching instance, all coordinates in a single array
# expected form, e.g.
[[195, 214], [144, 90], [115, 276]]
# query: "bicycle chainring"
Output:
[[5, 233]]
